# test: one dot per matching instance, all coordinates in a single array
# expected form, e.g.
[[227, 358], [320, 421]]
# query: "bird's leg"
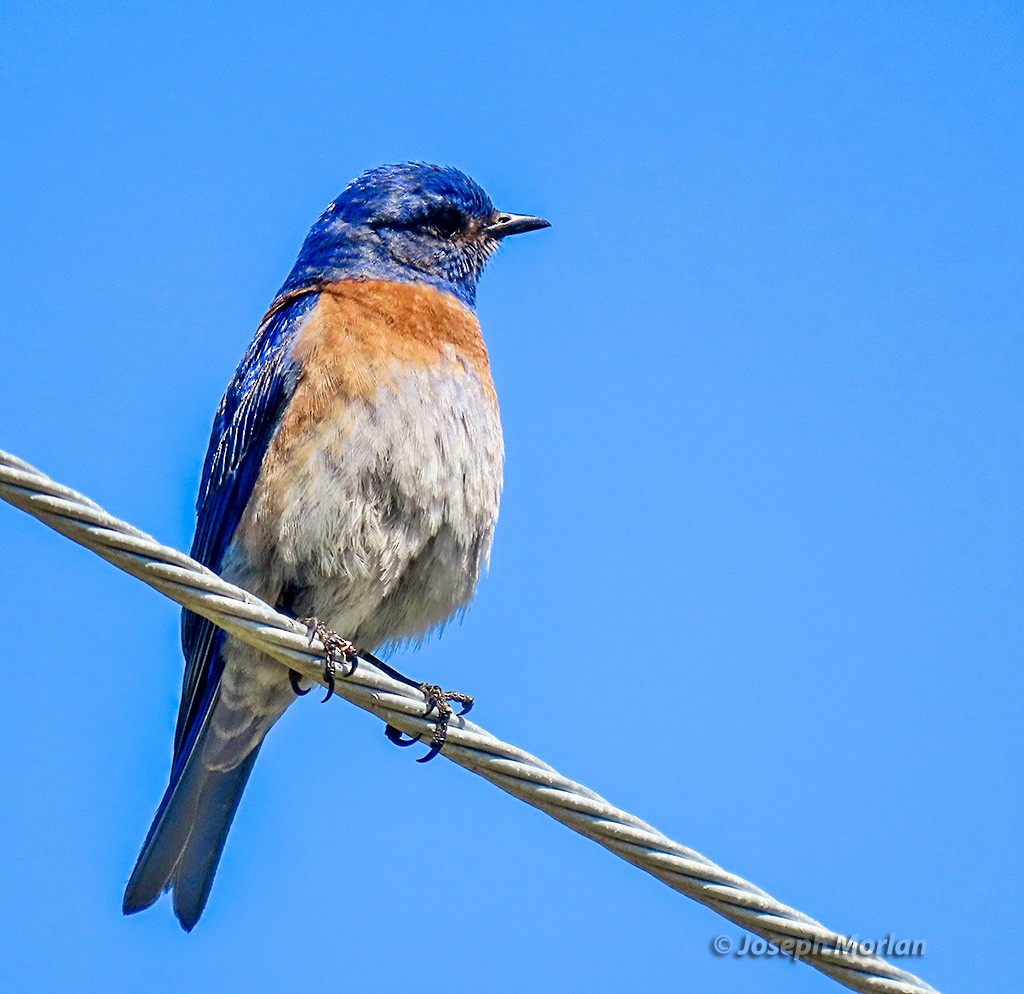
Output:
[[335, 648], [437, 700]]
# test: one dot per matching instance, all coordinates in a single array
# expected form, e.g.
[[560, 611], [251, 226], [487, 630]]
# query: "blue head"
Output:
[[411, 223]]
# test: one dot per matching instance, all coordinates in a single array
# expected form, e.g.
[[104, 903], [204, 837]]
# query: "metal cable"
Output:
[[517, 772]]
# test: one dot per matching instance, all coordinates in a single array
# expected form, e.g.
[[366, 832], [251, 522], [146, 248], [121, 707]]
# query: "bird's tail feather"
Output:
[[186, 839]]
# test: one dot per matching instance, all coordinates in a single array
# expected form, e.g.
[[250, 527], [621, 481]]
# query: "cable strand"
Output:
[[509, 768]]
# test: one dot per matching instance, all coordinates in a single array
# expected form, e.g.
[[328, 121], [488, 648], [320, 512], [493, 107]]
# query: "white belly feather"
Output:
[[384, 518]]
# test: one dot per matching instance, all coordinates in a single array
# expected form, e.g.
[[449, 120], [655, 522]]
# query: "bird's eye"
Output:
[[446, 222]]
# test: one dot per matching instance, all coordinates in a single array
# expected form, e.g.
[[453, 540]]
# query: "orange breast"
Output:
[[362, 330], [361, 340]]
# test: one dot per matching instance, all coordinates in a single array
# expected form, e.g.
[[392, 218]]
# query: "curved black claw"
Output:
[[394, 736], [329, 677], [434, 750], [293, 679]]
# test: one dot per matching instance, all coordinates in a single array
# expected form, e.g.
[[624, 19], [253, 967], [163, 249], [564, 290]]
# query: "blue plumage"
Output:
[[243, 427], [386, 225], [245, 422], [407, 225]]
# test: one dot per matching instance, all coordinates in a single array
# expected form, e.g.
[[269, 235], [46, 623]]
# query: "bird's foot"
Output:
[[440, 701], [335, 648]]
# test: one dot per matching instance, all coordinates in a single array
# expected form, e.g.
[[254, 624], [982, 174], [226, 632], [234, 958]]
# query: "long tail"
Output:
[[186, 839]]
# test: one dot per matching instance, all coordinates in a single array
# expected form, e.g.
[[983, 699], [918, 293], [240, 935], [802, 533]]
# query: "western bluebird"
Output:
[[353, 475]]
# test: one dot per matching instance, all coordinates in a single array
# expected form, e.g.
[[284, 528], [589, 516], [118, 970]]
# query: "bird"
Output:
[[353, 478]]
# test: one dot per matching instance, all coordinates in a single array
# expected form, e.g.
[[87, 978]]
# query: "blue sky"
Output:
[[758, 573]]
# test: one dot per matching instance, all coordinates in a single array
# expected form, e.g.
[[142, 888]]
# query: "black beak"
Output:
[[514, 224]]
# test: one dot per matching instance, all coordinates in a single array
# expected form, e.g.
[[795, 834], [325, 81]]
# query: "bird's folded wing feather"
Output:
[[244, 425]]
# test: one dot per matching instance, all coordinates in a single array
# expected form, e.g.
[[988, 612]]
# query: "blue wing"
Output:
[[245, 423], [185, 841]]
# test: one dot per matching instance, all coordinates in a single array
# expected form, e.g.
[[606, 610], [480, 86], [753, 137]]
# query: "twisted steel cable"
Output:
[[518, 773]]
